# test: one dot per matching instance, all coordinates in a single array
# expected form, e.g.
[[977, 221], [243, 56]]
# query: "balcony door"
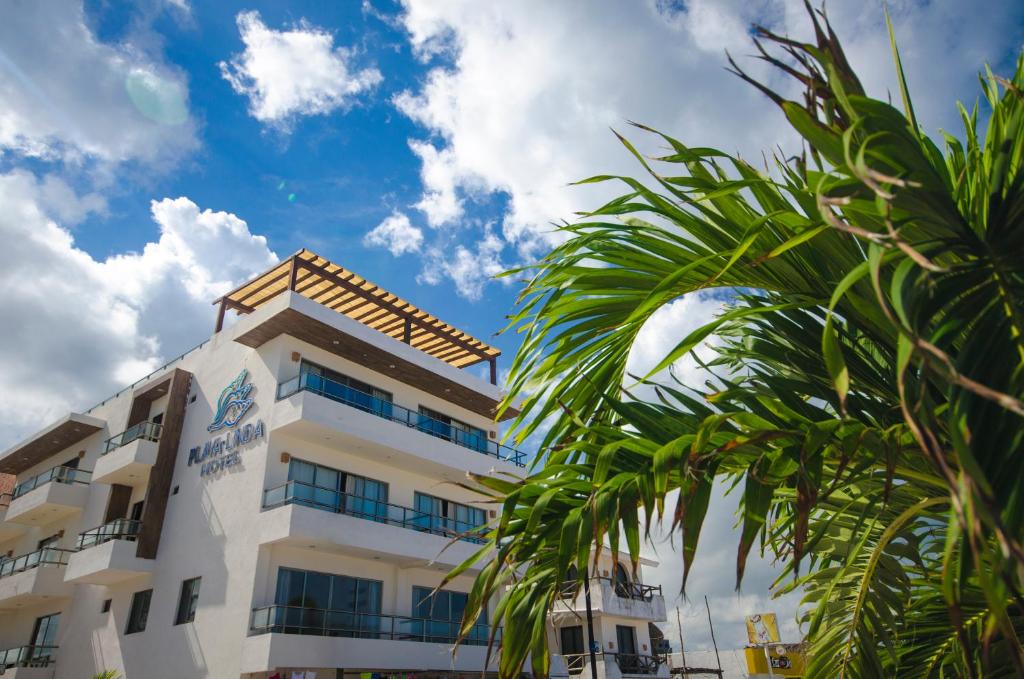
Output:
[[324, 604], [626, 638], [322, 487], [44, 639], [437, 515], [573, 651], [349, 390], [438, 617]]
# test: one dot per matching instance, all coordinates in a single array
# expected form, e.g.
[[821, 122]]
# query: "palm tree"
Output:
[[866, 389]]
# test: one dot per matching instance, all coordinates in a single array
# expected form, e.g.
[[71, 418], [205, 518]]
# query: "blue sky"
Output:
[[347, 170], [428, 146]]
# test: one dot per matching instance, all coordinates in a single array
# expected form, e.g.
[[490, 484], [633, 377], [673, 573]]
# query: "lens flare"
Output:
[[159, 99]]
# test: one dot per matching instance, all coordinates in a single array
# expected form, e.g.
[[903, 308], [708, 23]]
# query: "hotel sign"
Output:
[[224, 451]]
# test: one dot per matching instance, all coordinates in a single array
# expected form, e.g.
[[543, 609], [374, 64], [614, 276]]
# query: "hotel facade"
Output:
[[280, 500]]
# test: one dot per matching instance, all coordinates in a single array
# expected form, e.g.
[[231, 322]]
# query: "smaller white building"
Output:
[[624, 610]]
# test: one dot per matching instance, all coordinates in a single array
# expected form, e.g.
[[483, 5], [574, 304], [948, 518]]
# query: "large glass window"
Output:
[[440, 616], [445, 517], [355, 393], [187, 601], [44, 637], [326, 604], [445, 427], [334, 490], [139, 612]]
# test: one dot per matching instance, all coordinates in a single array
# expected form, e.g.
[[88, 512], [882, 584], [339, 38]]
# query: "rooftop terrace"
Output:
[[347, 293]]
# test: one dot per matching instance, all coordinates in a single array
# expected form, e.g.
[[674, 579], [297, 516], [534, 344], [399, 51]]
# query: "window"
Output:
[[187, 601], [328, 605], [346, 389], [440, 616], [322, 487], [44, 637], [136, 513], [106, 606], [158, 419], [445, 427], [444, 517], [139, 611]]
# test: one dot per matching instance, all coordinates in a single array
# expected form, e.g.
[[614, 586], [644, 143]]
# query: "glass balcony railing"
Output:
[[57, 475], [148, 431], [27, 656], [47, 556], [328, 623], [118, 529], [386, 409], [296, 492]]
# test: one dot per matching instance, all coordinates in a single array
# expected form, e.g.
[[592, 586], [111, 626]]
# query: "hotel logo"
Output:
[[233, 404]]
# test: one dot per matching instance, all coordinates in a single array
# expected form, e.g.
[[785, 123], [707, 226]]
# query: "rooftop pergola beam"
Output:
[[398, 311]]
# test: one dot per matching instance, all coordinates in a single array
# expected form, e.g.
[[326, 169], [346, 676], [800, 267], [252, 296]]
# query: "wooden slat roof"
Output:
[[337, 288]]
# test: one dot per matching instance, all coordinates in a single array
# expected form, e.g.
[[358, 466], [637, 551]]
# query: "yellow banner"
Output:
[[763, 628]]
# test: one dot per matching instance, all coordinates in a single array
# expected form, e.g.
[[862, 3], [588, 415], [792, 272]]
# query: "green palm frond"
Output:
[[869, 367]]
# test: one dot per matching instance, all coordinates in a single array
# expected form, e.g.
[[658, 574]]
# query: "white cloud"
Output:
[[469, 269], [523, 102], [69, 97], [78, 328], [439, 203], [396, 234], [293, 72], [665, 329]]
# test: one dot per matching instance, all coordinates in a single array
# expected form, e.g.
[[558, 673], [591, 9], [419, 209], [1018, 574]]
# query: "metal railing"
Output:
[[329, 623], [386, 409], [47, 556], [118, 529], [146, 430], [59, 474], [628, 663], [299, 493], [28, 656], [633, 663], [143, 379], [635, 590], [576, 661], [624, 590]]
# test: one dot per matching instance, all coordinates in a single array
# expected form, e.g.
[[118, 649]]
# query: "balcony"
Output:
[[129, 456], [616, 665], [106, 555], [283, 636], [305, 527], [46, 497], [296, 492], [35, 662], [622, 599], [34, 578], [387, 410], [8, 529]]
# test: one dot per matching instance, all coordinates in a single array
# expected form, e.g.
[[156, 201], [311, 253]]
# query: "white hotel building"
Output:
[[277, 500]]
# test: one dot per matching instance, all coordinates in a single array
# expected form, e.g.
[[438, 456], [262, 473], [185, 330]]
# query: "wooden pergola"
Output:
[[337, 288]]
